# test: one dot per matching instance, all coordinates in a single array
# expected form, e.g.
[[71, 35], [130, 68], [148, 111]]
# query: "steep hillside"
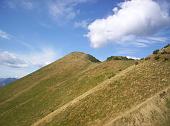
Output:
[[155, 111], [115, 96], [65, 67], [103, 104], [79, 90], [40, 93]]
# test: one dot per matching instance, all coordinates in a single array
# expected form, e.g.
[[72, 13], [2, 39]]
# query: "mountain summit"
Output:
[[80, 56]]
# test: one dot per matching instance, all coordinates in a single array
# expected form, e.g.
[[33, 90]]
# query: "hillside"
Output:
[[79, 90], [40, 93], [123, 92]]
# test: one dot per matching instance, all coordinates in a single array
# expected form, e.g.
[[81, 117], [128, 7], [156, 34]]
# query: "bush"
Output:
[[163, 52], [156, 57], [167, 46], [165, 59], [156, 51], [147, 58], [136, 63], [117, 58], [92, 58]]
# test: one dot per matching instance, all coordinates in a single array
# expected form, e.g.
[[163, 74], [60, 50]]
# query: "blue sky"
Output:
[[36, 33]]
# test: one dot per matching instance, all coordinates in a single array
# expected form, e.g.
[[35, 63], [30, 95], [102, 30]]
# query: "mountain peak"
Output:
[[81, 56]]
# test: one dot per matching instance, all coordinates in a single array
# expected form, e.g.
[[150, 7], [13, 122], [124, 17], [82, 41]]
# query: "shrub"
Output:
[[163, 94], [147, 58], [156, 57], [156, 51], [136, 63], [92, 58], [167, 46], [165, 59], [163, 52], [117, 58]]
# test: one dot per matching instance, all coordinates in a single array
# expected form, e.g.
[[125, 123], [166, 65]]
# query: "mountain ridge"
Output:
[[76, 90]]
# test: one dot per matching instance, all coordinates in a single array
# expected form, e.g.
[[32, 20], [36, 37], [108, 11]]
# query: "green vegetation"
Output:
[[117, 96], [118, 58], [92, 58], [168, 103], [79, 90], [160, 55], [53, 86], [156, 51], [168, 45]]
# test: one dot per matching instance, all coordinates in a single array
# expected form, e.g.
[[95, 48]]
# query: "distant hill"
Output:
[[79, 90], [5, 81], [118, 58]]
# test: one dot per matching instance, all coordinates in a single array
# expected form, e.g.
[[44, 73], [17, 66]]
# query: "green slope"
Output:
[[40, 93], [118, 95], [155, 111], [78, 90]]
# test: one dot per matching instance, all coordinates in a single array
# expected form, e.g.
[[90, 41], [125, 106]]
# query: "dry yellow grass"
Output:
[[35, 96], [117, 95], [153, 112], [78, 90]]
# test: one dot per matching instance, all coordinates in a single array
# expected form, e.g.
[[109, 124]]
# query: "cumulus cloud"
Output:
[[4, 35], [35, 59], [130, 19]]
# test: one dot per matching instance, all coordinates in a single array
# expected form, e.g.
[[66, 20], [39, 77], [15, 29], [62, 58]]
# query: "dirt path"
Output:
[[111, 122], [51, 115]]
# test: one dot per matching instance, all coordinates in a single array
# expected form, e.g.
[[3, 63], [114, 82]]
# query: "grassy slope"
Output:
[[118, 95], [153, 112], [64, 67], [34, 96]]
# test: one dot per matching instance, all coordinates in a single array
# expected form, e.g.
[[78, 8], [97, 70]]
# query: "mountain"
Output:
[[79, 90], [5, 81]]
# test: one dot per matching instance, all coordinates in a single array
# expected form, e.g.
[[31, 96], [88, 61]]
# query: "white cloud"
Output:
[[81, 24], [60, 10], [4, 35], [137, 18], [133, 57], [65, 8], [158, 39], [11, 60], [35, 59], [42, 58], [25, 4]]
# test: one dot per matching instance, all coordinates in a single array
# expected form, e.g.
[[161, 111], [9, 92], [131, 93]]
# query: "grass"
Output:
[[66, 79], [115, 87], [120, 95]]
